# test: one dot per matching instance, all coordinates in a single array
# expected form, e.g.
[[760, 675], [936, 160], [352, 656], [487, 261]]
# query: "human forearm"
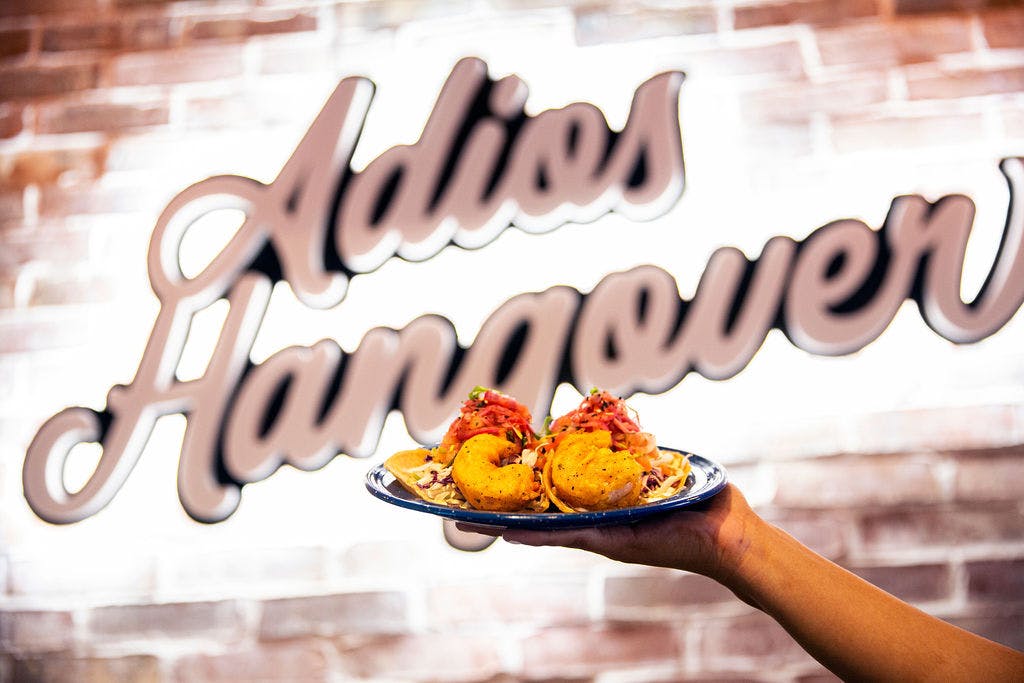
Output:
[[855, 629]]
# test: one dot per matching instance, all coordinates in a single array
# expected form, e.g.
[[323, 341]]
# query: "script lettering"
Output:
[[479, 166], [410, 202]]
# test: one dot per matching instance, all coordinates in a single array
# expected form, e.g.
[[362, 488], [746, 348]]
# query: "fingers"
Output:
[[584, 539], [485, 529]]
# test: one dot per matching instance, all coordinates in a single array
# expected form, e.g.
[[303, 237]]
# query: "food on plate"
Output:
[[420, 473], [487, 412], [490, 473], [586, 474], [484, 461], [600, 459], [596, 457]]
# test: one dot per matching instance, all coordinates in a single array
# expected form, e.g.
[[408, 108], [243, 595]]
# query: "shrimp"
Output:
[[488, 484], [585, 474]]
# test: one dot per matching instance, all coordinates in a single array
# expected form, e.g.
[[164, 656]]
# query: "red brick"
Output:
[[907, 42], [530, 599], [127, 33], [430, 656], [14, 8], [510, 678], [70, 669], [989, 475], [958, 427], [853, 135], [597, 25], [11, 120], [797, 101], [1004, 29], [286, 661], [142, 3], [912, 583], [931, 85], [869, 44], [853, 481], [46, 167], [70, 287], [41, 81], [239, 28], [824, 533], [926, 39], [1007, 629], [150, 33], [12, 208], [79, 118], [104, 36], [9, 298], [35, 631], [15, 42], [51, 245], [822, 676], [924, 6], [923, 39], [783, 60], [371, 16], [996, 580], [817, 12], [574, 651], [661, 594], [754, 638], [157, 68], [223, 620], [903, 530], [369, 612], [58, 201]]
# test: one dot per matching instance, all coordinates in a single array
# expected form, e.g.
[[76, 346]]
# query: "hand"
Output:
[[844, 622], [708, 539]]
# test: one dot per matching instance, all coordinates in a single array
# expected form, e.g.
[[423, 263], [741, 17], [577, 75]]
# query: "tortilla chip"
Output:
[[405, 465]]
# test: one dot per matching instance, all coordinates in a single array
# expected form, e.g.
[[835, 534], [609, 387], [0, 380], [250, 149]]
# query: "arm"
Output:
[[855, 629]]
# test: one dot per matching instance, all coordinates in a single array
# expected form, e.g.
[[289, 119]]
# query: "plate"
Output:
[[705, 480]]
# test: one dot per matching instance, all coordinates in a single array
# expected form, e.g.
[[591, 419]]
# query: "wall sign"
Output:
[[480, 166]]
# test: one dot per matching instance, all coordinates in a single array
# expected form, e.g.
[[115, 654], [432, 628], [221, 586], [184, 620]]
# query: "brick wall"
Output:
[[904, 462]]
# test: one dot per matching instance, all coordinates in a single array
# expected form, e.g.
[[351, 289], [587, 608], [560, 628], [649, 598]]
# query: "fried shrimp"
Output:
[[586, 474], [595, 457], [489, 479]]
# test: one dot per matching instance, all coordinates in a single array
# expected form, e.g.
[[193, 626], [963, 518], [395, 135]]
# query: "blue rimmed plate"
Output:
[[706, 479]]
